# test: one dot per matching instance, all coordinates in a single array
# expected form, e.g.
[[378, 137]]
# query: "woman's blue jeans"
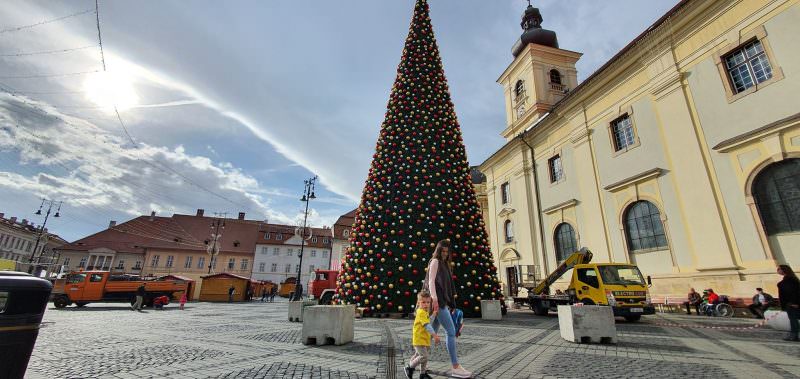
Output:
[[444, 319]]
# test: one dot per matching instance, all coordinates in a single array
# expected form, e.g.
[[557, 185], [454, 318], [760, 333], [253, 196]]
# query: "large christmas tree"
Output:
[[418, 191]]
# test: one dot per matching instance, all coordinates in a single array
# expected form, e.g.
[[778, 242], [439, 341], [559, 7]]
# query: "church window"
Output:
[[643, 227], [747, 66], [555, 76], [519, 89], [623, 133], [556, 169], [565, 241], [505, 192], [509, 231]]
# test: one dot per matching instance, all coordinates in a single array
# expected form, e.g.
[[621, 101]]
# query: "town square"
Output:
[[554, 189]]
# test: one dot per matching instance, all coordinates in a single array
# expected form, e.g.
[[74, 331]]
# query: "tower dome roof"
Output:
[[533, 32]]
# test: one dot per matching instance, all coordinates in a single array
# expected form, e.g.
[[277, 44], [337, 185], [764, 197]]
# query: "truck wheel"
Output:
[[633, 318], [61, 302], [539, 309], [80, 305], [587, 301], [326, 298]]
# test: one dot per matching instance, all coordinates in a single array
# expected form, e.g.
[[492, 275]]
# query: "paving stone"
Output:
[[254, 340]]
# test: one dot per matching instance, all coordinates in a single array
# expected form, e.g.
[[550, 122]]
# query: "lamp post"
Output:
[[216, 235], [308, 195], [50, 204]]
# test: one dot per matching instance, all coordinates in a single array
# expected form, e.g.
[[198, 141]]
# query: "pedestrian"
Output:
[[183, 300], [421, 334], [789, 295], [761, 302], [263, 294], [272, 292], [439, 281], [231, 290], [140, 292], [693, 300]]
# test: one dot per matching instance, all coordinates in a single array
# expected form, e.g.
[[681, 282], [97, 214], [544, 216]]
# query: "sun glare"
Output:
[[109, 89]]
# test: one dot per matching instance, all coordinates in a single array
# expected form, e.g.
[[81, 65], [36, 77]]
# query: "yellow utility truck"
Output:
[[618, 285]]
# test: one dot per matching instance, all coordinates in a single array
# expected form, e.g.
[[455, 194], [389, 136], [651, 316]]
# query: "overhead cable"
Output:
[[23, 27], [49, 75], [45, 52]]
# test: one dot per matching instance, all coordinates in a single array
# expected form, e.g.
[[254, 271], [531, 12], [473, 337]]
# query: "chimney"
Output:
[[152, 215], [13, 220], [2, 215], [112, 224], [241, 215], [200, 212], [24, 222]]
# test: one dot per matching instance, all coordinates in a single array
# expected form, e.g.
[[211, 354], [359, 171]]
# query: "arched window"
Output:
[[776, 191], [509, 229], [519, 89], [643, 227], [565, 241], [555, 76]]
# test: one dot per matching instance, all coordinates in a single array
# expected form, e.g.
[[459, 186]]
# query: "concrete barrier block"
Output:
[[777, 320], [328, 324], [587, 323], [296, 309], [491, 310]]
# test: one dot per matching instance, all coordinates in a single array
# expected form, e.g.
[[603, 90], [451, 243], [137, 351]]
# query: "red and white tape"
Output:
[[754, 326]]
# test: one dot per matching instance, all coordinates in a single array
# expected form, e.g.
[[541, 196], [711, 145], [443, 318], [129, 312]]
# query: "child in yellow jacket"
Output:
[[421, 337]]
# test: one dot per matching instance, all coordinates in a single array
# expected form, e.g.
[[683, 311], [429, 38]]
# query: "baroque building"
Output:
[[681, 154]]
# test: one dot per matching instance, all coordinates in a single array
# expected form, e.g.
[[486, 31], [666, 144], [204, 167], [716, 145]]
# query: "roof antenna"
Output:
[[529, 3]]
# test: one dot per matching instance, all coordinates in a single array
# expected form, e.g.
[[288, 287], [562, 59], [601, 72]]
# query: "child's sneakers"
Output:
[[409, 371], [424, 375]]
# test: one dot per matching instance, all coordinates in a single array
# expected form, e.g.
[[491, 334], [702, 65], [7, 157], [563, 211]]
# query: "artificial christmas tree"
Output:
[[418, 192]]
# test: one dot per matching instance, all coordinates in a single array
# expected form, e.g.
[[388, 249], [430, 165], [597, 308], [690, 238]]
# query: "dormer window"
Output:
[[519, 89], [555, 76]]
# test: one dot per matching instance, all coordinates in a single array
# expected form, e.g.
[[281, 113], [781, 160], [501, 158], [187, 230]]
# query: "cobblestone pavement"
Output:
[[255, 340]]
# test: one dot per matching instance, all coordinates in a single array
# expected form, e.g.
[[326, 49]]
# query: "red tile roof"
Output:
[[345, 222], [180, 232], [288, 231]]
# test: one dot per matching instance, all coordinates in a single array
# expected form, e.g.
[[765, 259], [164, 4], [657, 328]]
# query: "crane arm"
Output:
[[583, 256]]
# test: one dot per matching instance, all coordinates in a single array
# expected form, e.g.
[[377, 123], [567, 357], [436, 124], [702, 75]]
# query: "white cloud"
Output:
[[87, 166]]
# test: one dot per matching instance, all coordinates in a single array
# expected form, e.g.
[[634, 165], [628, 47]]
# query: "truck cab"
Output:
[[323, 285], [620, 286], [83, 287]]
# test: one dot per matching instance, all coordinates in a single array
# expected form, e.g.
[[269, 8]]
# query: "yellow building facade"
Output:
[[680, 155]]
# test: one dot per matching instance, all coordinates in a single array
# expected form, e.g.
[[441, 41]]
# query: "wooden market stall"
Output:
[[215, 287], [190, 285]]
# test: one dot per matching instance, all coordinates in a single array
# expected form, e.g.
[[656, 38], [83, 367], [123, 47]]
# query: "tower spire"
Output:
[[533, 32]]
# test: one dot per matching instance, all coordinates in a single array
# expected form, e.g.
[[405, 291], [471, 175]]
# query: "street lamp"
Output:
[[308, 195], [50, 204]]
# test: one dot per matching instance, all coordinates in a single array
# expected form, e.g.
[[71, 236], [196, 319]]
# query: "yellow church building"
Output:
[[681, 154]]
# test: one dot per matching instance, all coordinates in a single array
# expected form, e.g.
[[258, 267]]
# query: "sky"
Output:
[[230, 106]]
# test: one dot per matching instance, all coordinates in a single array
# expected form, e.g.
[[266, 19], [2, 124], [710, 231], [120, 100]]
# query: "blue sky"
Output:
[[244, 99]]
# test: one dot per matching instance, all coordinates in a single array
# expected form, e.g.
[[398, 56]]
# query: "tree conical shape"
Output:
[[418, 192]]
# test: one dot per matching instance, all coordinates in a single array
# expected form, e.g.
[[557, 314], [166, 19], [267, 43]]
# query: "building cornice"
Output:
[[732, 143], [560, 206], [647, 175]]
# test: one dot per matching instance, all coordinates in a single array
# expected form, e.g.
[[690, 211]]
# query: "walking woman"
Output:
[[789, 294], [439, 281]]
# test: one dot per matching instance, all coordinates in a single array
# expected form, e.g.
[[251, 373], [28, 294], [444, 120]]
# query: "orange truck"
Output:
[[323, 285], [86, 287]]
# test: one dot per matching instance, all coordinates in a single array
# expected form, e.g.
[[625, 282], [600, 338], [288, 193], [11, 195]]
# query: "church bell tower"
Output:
[[540, 75]]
